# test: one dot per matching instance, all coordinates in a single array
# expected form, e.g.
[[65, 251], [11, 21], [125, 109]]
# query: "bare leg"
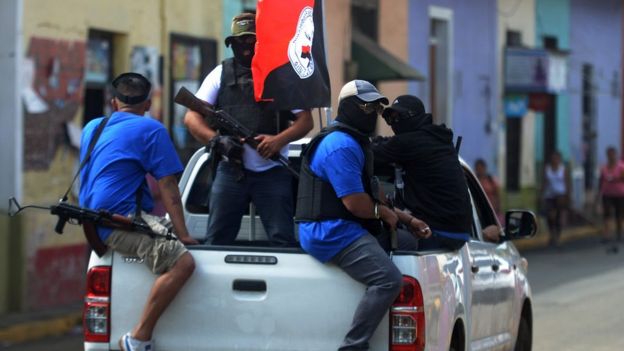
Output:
[[164, 290]]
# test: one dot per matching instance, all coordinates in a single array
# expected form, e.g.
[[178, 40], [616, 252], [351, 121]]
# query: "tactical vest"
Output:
[[316, 198], [236, 97]]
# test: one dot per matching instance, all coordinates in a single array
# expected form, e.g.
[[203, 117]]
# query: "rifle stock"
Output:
[[226, 122]]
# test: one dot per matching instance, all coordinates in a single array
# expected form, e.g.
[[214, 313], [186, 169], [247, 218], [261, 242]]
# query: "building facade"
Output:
[[65, 63], [454, 44]]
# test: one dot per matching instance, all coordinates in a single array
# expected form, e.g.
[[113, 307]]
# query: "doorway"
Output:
[[440, 29], [98, 73]]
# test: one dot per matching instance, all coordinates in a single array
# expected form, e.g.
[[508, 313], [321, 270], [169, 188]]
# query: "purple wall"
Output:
[[596, 38], [474, 74]]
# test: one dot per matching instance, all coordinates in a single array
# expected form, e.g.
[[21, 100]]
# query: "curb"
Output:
[[37, 329], [540, 240]]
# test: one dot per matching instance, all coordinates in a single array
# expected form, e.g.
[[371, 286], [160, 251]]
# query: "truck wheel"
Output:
[[524, 340], [457, 339]]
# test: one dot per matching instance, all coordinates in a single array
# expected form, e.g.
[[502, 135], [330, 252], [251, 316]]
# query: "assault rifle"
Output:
[[89, 218], [226, 122]]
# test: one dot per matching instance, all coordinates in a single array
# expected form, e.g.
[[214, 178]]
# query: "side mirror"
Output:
[[520, 224]]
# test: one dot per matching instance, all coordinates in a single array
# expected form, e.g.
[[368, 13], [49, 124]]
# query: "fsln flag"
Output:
[[289, 67]]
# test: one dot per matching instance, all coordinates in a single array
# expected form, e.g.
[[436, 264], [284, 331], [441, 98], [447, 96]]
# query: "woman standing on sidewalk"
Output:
[[612, 190], [555, 194]]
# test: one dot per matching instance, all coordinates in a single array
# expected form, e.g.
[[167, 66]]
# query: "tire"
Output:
[[525, 335]]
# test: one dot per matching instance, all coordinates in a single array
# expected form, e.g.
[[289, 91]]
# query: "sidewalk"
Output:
[[18, 328], [22, 327], [572, 233]]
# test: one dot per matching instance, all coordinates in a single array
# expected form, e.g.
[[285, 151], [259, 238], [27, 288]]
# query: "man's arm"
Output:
[[361, 205], [171, 199], [198, 127], [272, 144]]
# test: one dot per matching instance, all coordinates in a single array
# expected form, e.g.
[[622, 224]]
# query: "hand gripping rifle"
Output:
[[226, 122], [89, 218]]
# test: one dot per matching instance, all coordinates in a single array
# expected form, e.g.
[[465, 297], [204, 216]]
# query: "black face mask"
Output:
[[243, 52], [411, 123], [351, 114]]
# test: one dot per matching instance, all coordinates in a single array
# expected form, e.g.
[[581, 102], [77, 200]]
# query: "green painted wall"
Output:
[[232, 8], [553, 19]]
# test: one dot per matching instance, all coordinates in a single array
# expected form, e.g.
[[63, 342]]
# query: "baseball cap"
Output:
[[405, 104], [363, 90], [133, 79], [243, 24]]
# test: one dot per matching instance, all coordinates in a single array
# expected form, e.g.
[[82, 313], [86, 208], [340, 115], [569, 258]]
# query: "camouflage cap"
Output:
[[243, 24]]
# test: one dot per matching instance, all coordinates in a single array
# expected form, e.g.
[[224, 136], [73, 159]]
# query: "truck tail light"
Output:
[[96, 312], [407, 318]]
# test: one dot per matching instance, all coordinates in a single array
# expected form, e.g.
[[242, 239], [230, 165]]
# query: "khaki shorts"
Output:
[[158, 253]]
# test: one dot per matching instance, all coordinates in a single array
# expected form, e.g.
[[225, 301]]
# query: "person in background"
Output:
[[555, 194], [611, 188], [490, 186]]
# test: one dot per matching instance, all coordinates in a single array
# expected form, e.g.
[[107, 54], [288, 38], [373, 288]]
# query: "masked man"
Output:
[[337, 213], [266, 183], [435, 186]]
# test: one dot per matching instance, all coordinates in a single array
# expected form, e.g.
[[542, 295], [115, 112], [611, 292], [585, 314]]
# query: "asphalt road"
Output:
[[578, 297], [577, 292]]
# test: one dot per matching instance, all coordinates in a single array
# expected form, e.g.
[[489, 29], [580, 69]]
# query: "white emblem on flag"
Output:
[[300, 46]]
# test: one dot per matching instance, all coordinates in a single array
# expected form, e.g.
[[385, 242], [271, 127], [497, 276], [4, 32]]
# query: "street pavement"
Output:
[[577, 295]]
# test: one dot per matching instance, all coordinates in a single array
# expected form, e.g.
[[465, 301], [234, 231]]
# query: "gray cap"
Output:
[[363, 90]]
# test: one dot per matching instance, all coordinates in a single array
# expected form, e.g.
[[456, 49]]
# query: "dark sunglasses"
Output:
[[393, 116], [370, 107]]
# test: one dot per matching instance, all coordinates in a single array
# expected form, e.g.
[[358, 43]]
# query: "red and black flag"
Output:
[[289, 68]]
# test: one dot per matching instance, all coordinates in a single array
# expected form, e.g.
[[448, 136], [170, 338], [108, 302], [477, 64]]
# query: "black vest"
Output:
[[236, 97], [316, 198]]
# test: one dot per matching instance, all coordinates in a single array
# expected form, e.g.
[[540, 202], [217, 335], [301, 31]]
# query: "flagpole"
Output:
[[326, 109]]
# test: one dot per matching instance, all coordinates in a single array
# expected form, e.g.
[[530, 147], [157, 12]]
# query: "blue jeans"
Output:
[[271, 192], [366, 262]]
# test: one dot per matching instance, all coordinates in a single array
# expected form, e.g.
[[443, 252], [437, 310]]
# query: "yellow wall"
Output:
[[338, 44], [146, 23], [394, 37], [519, 17]]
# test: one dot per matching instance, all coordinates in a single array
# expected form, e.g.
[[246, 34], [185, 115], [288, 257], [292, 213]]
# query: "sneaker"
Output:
[[128, 343]]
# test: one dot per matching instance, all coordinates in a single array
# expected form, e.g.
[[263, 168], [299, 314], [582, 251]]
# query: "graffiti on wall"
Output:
[[54, 72], [58, 276]]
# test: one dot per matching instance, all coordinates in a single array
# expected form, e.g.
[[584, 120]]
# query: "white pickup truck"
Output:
[[254, 297]]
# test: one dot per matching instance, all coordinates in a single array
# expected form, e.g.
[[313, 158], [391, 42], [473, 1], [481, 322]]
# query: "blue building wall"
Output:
[[596, 38], [553, 19], [474, 75]]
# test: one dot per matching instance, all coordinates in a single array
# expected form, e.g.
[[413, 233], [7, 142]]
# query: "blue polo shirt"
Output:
[[129, 147], [339, 160]]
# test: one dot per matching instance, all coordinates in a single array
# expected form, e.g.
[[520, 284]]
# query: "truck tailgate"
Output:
[[244, 300]]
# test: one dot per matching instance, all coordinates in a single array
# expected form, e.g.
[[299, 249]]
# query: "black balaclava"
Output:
[[350, 113], [411, 123], [243, 52]]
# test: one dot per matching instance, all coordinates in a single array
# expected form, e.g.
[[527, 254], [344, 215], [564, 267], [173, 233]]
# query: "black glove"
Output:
[[227, 146]]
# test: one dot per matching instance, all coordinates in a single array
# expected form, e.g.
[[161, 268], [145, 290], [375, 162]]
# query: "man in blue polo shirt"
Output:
[[337, 215], [129, 147]]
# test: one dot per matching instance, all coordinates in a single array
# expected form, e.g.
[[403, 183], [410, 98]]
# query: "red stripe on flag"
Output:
[[276, 25]]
